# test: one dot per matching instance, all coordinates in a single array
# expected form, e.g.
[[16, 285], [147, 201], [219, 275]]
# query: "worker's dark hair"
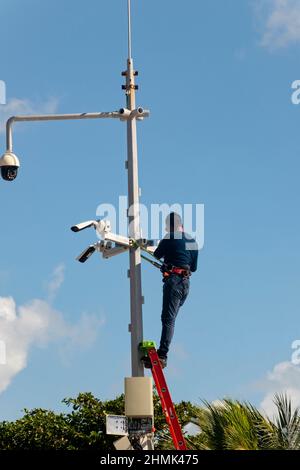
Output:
[[173, 220]]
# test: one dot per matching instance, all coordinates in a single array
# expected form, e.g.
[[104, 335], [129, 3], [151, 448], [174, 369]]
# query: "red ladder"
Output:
[[166, 400]]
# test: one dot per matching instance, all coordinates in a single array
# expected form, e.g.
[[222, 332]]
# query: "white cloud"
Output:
[[37, 323], [281, 22], [17, 106], [56, 281], [284, 378]]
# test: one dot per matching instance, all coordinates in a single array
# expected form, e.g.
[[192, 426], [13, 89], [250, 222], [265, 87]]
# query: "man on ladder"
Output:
[[180, 254]]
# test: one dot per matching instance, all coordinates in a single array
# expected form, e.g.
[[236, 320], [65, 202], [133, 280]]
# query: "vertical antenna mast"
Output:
[[129, 28]]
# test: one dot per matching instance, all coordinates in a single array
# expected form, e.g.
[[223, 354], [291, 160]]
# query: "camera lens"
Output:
[[11, 174]]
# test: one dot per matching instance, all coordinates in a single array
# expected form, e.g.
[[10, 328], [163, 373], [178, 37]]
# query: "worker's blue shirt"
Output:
[[178, 249]]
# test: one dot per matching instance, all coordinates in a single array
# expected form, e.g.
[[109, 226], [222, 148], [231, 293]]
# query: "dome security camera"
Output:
[[9, 164]]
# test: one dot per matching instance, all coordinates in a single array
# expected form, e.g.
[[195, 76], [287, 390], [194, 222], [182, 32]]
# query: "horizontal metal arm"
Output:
[[63, 117]]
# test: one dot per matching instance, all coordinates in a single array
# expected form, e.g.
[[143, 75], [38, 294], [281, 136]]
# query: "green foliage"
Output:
[[226, 425], [83, 428], [37, 430], [87, 421], [232, 425], [286, 433]]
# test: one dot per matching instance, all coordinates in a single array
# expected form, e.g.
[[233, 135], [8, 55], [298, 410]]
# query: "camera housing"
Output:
[[9, 164], [84, 256], [83, 225]]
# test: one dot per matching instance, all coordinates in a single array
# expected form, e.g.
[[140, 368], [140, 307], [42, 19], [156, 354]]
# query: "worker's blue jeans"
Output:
[[175, 291]]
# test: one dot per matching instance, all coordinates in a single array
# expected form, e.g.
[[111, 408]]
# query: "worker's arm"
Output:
[[160, 250]]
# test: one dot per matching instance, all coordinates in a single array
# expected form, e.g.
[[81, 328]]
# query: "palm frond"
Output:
[[287, 423]]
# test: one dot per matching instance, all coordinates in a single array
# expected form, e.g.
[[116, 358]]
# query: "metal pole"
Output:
[[136, 300]]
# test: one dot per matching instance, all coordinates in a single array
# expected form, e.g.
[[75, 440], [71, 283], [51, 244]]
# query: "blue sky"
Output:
[[223, 132]]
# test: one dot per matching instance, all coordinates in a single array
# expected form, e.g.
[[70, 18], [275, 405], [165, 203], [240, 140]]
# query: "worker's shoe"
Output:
[[163, 361], [146, 361]]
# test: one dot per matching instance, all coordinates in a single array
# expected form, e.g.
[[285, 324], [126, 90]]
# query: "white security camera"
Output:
[[125, 113], [9, 164], [102, 226], [83, 225], [87, 253], [84, 256], [140, 113]]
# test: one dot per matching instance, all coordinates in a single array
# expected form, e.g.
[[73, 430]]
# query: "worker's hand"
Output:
[[151, 249]]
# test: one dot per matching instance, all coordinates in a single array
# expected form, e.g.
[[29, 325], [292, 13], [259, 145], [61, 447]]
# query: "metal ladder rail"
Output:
[[166, 400]]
